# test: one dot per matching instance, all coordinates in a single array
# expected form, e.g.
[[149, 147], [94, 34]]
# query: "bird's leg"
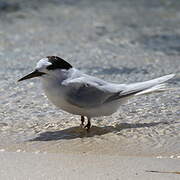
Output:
[[88, 125], [82, 121]]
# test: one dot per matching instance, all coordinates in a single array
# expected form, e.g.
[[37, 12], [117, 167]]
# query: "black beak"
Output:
[[35, 73]]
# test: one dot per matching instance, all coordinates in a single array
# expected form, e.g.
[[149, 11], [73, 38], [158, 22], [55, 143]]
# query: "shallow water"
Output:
[[113, 41], [146, 129]]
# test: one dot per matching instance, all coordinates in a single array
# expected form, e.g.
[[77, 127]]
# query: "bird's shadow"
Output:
[[78, 132]]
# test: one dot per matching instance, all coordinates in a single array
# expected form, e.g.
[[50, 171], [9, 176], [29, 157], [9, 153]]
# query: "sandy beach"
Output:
[[71, 166], [119, 41]]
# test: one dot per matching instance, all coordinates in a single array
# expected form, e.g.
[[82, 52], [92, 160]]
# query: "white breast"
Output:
[[56, 94]]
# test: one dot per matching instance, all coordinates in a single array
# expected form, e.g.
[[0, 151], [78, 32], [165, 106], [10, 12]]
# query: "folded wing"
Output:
[[86, 93]]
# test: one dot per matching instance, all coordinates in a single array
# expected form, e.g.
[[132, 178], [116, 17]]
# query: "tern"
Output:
[[78, 93]]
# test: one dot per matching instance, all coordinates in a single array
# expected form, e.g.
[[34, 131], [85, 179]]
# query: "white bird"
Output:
[[78, 93]]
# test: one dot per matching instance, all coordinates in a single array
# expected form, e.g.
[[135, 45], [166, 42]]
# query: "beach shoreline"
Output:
[[54, 166]]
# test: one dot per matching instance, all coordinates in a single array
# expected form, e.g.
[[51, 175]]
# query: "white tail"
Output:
[[154, 85], [157, 88]]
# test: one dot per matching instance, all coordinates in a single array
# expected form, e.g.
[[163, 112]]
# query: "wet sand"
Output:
[[72, 166], [118, 41]]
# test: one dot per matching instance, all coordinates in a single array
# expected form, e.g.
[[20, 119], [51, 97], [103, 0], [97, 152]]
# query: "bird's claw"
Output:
[[82, 126], [87, 126]]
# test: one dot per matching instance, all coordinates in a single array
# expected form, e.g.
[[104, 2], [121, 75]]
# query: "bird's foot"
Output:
[[88, 125], [82, 122], [82, 125]]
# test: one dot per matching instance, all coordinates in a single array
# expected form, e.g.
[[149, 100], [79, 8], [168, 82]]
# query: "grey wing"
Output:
[[86, 94], [92, 92]]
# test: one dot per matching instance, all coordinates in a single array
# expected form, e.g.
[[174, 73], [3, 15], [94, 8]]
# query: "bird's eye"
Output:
[[50, 67]]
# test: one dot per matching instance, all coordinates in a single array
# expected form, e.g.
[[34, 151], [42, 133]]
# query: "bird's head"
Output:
[[46, 66]]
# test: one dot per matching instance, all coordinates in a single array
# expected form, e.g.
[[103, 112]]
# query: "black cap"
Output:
[[57, 63]]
